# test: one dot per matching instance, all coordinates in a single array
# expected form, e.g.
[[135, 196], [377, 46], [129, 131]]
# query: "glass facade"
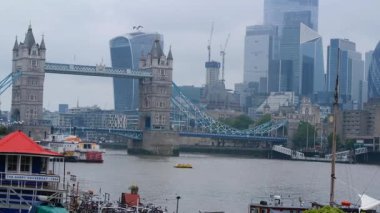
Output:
[[258, 54], [374, 74], [312, 67], [301, 56], [126, 51], [342, 57], [275, 10]]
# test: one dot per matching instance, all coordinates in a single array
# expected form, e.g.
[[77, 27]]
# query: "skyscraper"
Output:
[[289, 16], [374, 74], [258, 54], [126, 51], [311, 53], [342, 56], [364, 83], [275, 10], [301, 56]]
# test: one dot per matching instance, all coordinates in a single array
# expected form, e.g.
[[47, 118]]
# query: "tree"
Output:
[[325, 209], [239, 122], [304, 135], [338, 142], [350, 144], [3, 130], [264, 119]]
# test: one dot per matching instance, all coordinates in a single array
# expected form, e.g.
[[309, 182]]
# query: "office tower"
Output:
[[258, 54], [364, 83], [63, 108], [368, 61], [311, 53], [342, 56], [301, 56], [275, 10], [126, 51], [374, 74]]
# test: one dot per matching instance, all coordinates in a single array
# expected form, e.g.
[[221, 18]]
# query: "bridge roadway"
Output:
[[98, 70], [137, 134], [216, 130]]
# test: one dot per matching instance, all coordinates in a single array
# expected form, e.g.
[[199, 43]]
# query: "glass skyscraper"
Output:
[[374, 74], [275, 10], [126, 51], [258, 53], [342, 56], [311, 53], [301, 56]]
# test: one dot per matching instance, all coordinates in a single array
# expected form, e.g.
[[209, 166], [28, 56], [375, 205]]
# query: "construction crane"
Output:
[[209, 42], [223, 54]]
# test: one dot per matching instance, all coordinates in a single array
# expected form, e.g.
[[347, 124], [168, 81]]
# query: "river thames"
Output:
[[222, 183]]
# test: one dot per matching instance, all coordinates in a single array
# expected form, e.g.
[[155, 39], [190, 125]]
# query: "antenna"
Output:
[[209, 42], [223, 54]]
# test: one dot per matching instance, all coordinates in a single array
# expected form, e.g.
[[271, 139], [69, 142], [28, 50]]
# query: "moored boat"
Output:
[[74, 149], [26, 175]]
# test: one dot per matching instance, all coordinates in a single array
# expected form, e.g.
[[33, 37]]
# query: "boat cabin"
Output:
[[25, 173], [275, 204]]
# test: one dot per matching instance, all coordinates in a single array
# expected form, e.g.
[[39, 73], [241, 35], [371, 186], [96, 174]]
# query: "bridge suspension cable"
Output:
[[8, 81]]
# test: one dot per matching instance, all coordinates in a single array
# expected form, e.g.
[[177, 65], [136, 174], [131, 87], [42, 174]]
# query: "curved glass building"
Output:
[[374, 74], [126, 51]]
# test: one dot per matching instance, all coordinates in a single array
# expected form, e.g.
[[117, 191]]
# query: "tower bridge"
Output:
[[160, 101]]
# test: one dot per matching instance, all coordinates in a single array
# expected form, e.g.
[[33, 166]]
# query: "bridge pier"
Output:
[[154, 142]]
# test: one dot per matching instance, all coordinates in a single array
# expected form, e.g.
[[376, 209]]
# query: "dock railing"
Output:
[[292, 153], [19, 191]]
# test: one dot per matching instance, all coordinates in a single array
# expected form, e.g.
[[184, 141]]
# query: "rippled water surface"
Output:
[[222, 183]]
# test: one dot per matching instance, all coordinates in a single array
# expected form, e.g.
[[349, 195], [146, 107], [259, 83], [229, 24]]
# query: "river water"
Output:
[[222, 183]]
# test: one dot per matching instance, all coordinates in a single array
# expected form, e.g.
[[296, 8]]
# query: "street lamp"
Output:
[[178, 197]]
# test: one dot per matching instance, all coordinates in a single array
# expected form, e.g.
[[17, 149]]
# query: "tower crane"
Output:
[[209, 42], [223, 54]]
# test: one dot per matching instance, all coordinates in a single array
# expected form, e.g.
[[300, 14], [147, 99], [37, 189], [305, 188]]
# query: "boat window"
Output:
[[254, 210], [12, 163], [25, 164], [43, 165]]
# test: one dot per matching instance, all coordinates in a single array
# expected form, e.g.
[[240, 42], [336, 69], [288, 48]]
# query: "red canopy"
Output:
[[18, 143]]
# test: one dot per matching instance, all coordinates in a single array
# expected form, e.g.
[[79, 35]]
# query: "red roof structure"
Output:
[[18, 143]]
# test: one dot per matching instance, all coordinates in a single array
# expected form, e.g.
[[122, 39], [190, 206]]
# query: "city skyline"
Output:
[[86, 41]]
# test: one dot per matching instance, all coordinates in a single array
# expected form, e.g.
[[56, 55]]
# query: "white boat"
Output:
[[74, 149]]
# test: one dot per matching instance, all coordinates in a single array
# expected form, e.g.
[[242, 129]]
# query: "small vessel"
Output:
[[74, 149], [183, 166], [27, 175]]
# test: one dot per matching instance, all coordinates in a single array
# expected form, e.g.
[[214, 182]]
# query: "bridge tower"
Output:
[[155, 100], [27, 91]]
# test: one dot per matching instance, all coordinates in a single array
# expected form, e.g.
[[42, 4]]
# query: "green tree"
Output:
[[304, 136], [339, 143], [3, 130], [350, 144], [264, 119], [239, 122], [325, 209]]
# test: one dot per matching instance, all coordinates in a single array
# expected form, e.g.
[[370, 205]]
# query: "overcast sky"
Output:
[[78, 31]]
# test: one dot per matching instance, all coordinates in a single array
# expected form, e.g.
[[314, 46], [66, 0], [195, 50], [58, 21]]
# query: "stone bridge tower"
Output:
[[27, 91], [156, 92], [155, 101]]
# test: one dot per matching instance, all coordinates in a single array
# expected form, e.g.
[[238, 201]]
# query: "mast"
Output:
[[333, 148]]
